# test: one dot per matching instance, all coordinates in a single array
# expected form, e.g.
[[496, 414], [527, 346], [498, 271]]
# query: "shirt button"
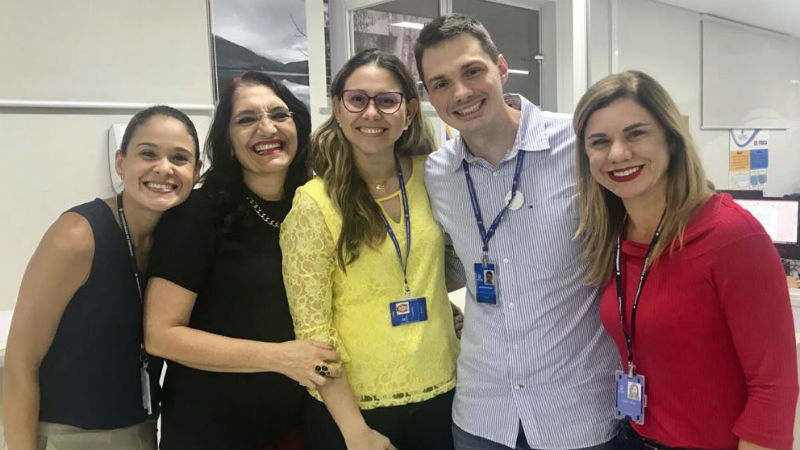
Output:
[[515, 346], [517, 387], [510, 306], [505, 260], [494, 174]]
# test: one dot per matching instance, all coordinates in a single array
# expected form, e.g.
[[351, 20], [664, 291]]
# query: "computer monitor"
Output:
[[780, 217], [743, 193]]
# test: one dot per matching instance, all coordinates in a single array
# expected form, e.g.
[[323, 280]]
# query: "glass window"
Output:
[[515, 32], [393, 26]]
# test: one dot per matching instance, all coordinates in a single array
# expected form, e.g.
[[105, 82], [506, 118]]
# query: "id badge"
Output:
[[408, 310], [630, 397], [147, 402], [485, 283]]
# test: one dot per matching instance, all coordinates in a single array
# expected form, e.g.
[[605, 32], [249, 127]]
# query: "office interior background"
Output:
[[70, 70]]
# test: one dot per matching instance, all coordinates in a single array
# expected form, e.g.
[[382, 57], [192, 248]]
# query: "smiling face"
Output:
[[464, 84], [262, 132], [372, 131], [628, 151], [159, 168]]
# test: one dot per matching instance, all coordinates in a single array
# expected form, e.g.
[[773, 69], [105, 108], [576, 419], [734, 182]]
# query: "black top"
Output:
[[240, 293], [89, 377]]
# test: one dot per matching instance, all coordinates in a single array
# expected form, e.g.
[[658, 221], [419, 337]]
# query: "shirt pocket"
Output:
[[548, 243]]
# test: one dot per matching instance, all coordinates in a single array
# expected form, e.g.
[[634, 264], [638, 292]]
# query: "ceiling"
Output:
[[777, 15]]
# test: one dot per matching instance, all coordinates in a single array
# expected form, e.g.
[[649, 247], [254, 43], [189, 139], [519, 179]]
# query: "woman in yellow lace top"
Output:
[[363, 264]]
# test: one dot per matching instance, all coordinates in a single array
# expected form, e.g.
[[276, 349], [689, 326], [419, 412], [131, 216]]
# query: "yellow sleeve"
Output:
[[309, 261]]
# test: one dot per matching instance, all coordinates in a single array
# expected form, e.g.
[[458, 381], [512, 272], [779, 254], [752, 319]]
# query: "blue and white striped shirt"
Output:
[[540, 355]]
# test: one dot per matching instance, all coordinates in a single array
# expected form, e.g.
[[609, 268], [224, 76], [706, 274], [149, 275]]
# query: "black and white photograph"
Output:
[[264, 36]]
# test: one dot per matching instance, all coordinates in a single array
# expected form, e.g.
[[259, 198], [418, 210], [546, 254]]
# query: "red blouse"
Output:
[[714, 334]]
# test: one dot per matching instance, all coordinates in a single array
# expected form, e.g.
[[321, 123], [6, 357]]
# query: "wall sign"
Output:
[[749, 158]]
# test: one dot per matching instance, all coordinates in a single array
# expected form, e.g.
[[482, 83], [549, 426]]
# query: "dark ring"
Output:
[[322, 370]]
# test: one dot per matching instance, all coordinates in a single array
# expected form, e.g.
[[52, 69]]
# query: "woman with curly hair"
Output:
[[216, 306]]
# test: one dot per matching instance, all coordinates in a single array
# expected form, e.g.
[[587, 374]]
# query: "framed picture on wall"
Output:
[[260, 35]]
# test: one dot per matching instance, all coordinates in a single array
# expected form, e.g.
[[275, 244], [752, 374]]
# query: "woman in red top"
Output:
[[695, 297]]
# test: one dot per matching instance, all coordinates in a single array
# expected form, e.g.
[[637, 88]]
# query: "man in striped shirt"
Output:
[[536, 368]]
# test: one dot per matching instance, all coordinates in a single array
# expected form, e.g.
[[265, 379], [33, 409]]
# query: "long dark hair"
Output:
[[224, 181], [332, 158]]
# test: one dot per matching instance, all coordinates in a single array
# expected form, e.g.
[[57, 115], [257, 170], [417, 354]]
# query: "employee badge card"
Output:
[[485, 283], [630, 398], [408, 310]]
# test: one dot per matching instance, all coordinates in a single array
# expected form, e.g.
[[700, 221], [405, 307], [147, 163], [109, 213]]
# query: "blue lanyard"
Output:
[[407, 217], [476, 208]]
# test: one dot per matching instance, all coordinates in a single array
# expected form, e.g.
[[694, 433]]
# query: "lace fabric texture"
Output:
[[385, 365]]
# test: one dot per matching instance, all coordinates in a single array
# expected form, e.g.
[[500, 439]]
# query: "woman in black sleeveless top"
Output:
[[216, 305], [74, 375]]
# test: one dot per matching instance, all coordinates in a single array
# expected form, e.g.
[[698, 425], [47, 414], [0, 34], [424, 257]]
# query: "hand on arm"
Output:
[[168, 308], [58, 267], [458, 319]]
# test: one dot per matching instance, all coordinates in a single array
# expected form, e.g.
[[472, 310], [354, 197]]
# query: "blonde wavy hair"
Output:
[[332, 158], [602, 214]]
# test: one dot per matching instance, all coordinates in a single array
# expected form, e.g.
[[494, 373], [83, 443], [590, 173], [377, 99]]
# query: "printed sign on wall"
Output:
[[749, 158]]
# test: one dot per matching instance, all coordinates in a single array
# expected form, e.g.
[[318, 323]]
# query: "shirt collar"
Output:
[[530, 134]]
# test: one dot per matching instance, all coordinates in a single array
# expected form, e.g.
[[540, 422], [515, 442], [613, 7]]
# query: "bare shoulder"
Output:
[[70, 235]]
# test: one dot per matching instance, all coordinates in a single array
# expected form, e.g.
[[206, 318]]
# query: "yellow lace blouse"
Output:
[[385, 365]]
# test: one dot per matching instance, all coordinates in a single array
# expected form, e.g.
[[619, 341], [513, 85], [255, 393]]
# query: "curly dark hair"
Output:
[[224, 181]]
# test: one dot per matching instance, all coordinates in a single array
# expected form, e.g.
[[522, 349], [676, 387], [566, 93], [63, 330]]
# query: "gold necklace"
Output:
[[260, 213], [381, 187]]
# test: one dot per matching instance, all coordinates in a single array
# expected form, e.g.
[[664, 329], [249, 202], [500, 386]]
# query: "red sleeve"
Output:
[[755, 299]]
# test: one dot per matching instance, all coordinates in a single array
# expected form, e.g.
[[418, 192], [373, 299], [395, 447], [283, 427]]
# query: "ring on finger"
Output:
[[322, 370]]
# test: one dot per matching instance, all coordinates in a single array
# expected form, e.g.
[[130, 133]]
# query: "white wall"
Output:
[[146, 51], [318, 88], [664, 41], [565, 100]]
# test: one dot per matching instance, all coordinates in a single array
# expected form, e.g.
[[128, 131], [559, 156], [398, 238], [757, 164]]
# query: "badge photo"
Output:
[[402, 308]]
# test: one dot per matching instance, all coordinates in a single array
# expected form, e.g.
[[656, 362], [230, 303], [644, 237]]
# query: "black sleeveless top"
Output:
[[89, 377]]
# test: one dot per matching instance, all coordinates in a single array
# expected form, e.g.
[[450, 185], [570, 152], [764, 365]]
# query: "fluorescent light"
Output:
[[794, 81], [416, 26], [517, 71]]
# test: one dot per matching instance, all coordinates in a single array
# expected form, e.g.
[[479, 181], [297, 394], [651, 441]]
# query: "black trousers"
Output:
[[629, 439], [423, 425]]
